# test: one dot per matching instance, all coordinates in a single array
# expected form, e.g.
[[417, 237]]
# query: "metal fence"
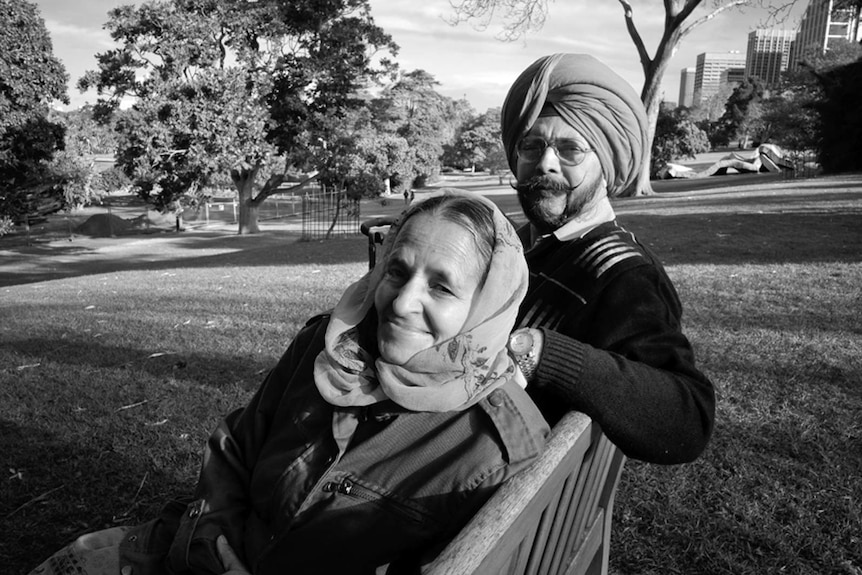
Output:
[[329, 214], [307, 209], [803, 165], [322, 212]]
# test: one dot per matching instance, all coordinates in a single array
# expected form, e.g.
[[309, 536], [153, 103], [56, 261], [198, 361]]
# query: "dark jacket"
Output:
[[275, 482], [614, 347]]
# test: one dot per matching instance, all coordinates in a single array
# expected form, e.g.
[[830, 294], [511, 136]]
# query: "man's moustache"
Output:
[[543, 183]]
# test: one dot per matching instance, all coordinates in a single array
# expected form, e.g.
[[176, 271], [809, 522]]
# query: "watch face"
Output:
[[521, 342]]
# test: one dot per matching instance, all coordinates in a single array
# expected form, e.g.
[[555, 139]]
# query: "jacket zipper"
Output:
[[333, 461], [350, 488]]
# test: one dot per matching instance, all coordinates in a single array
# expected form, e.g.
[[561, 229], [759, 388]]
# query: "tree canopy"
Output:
[[741, 113], [676, 136], [281, 73], [30, 79], [478, 144], [792, 115], [411, 108], [838, 112]]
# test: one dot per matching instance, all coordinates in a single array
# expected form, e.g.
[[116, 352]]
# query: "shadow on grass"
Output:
[[62, 478], [198, 250], [213, 371], [750, 238]]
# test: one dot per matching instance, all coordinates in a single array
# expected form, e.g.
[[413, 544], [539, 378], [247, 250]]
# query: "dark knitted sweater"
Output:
[[613, 345]]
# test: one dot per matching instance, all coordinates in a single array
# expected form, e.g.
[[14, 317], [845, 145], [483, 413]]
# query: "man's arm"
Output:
[[635, 375]]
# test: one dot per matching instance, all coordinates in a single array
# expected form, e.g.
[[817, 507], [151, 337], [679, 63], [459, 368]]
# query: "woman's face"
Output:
[[428, 286]]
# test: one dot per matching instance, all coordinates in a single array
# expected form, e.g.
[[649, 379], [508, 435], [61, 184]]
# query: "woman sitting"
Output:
[[381, 431]]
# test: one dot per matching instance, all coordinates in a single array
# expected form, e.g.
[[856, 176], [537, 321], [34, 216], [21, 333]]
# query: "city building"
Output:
[[686, 87], [768, 54], [732, 77], [821, 25], [707, 75]]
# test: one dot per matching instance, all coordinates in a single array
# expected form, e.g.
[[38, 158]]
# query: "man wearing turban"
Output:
[[600, 326]]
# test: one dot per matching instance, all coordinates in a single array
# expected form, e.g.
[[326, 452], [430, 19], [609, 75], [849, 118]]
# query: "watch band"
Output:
[[527, 364]]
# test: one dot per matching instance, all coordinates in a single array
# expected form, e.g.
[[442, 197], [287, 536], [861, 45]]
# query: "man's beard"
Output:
[[536, 196]]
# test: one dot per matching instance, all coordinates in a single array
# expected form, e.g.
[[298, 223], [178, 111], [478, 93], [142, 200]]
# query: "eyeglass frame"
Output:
[[554, 144]]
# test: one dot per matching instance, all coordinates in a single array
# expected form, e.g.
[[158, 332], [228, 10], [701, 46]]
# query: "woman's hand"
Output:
[[232, 563]]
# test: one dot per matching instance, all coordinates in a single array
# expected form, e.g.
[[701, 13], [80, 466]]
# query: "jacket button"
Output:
[[126, 570], [194, 511], [496, 398]]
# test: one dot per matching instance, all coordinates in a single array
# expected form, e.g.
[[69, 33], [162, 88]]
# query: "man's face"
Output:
[[554, 189]]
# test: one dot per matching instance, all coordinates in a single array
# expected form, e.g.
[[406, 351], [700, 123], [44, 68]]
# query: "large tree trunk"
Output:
[[249, 209], [654, 68], [249, 213], [675, 29], [651, 96]]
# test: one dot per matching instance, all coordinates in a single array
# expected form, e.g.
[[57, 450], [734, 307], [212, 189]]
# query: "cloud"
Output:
[[59, 29]]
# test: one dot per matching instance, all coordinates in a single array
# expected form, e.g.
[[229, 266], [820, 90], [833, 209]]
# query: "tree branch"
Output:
[[684, 31], [646, 61], [521, 16]]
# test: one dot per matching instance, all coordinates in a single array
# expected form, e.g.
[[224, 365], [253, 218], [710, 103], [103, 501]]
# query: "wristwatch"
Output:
[[525, 345]]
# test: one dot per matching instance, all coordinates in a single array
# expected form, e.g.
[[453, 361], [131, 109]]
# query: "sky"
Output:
[[468, 62]]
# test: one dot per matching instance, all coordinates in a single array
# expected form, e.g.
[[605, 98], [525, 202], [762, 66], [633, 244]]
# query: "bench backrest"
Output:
[[553, 518]]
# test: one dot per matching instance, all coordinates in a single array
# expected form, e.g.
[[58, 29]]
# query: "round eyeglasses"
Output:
[[570, 152]]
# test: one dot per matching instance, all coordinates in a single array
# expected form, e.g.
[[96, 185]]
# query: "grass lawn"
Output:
[[117, 358]]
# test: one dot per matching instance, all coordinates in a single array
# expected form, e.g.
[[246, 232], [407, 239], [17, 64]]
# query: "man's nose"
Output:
[[549, 162]]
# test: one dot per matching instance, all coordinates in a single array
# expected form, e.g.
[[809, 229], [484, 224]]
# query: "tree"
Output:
[[362, 159], [478, 143], [711, 108], [791, 115], [240, 87], [840, 118], [84, 134], [84, 139], [526, 15], [741, 113], [676, 136], [30, 79], [412, 109]]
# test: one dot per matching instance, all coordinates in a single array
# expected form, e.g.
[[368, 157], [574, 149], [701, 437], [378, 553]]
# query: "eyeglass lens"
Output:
[[569, 151]]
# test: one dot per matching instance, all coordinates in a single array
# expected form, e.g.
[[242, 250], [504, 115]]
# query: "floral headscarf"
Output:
[[449, 376]]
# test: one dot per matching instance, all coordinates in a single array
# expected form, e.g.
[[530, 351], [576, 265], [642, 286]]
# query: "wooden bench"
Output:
[[553, 518]]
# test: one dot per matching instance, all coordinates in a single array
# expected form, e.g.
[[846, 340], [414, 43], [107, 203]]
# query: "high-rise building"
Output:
[[686, 87], [821, 25], [732, 77], [768, 54], [707, 75]]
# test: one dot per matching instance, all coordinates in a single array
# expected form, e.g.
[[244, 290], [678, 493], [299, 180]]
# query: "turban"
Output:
[[591, 98]]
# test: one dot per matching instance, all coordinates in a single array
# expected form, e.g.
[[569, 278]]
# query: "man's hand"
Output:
[[232, 564]]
